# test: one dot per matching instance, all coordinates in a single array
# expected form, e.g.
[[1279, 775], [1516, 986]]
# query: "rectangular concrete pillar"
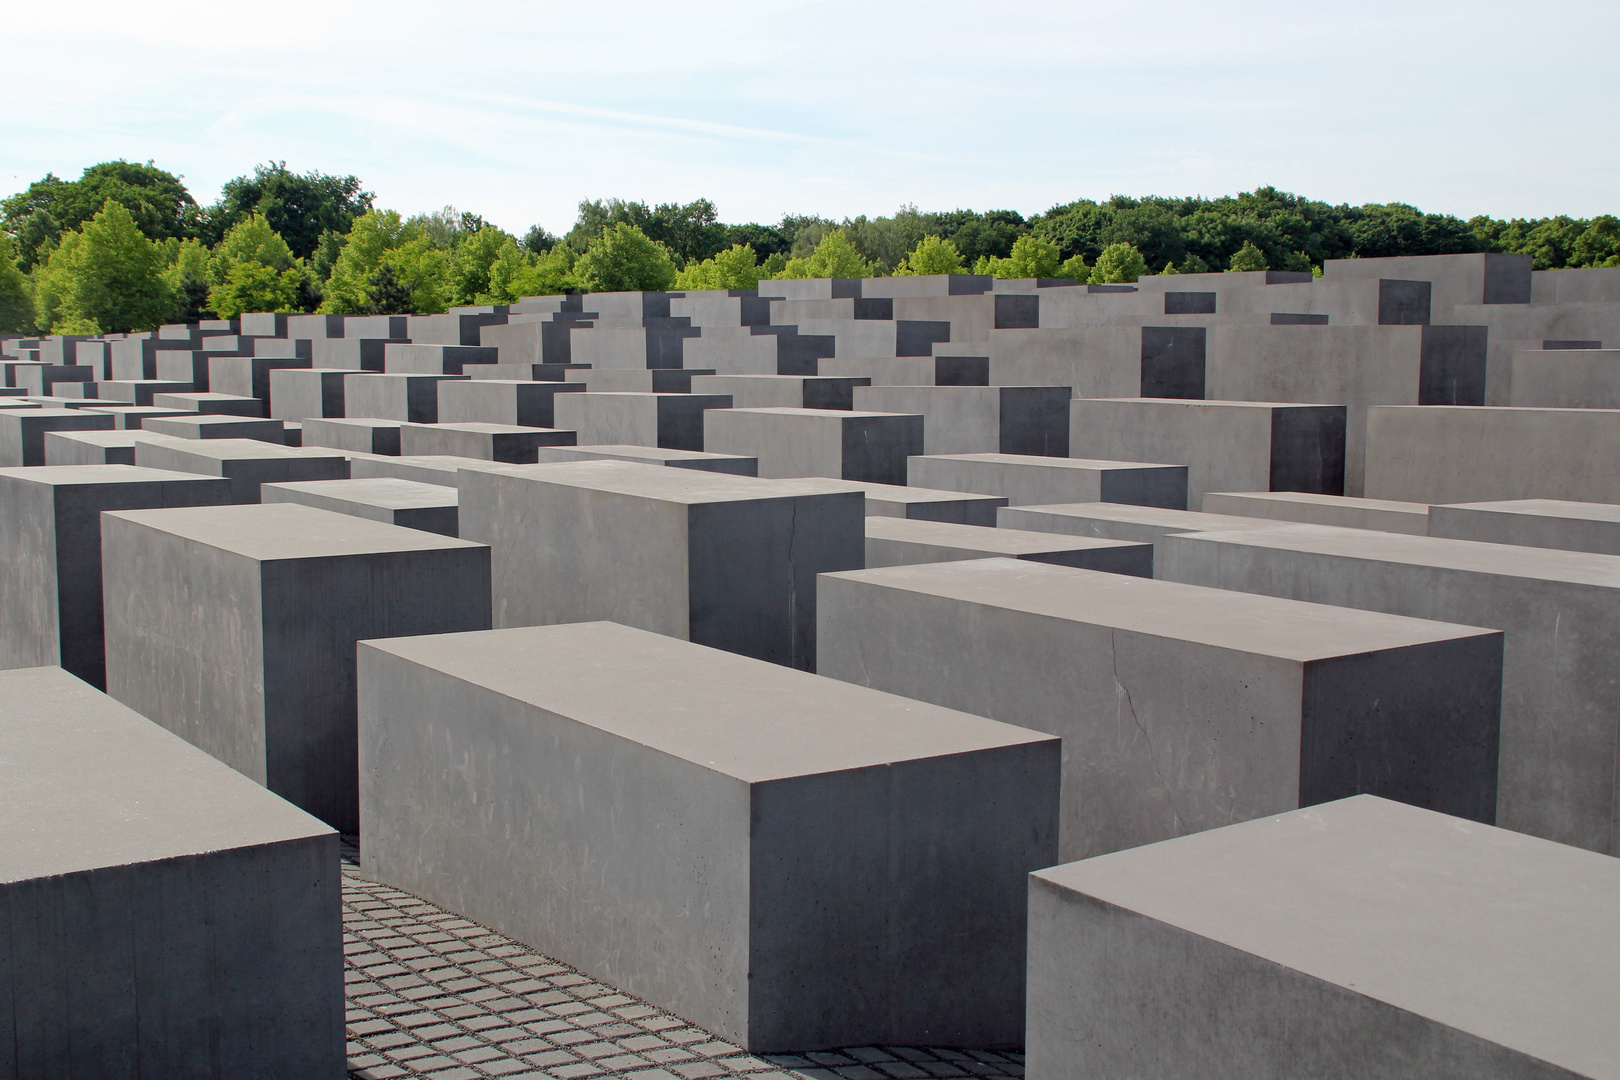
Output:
[[163, 915], [1342, 511], [898, 541], [1544, 523], [727, 561], [1358, 939], [22, 431], [200, 426], [412, 398], [234, 627], [303, 393], [791, 862], [1180, 708], [502, 401], [925, 504], [673, 421], [844, 445], [410, 503], [494, 442], [1026, 479], [734, 464], [982, 419], [783, 391], [246, 463]]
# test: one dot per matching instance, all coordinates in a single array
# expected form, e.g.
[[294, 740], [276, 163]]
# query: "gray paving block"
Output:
[[1561, 670], [246, 463], [50, 579], [898, 541], [1027, 479], [727, 561], [493, 442], [22, 431], [164, 916], [1343, 511], [843, 445], [981, 419], [234, 627], [791, 862], [1357, 939], [1180, 708], [672, 421], [410, 503], [1548, 523]]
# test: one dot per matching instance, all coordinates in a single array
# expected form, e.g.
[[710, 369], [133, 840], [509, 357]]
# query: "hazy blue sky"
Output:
[[519, 110]]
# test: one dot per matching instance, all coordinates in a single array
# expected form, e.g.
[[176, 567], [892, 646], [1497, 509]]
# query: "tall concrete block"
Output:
[[302, 393], [405, 359], [1450, 454], [410, 503], [1026, 479], [93, 447], [199, 426], [1180, 708], [493, 442], [981, 419], [1546, 523], [1342, 511], [727, 561], [502, 401], [22, 431], [899, 541], [673, 421], [50, 579], [653, 455], [782, 391], [209, 403], [248, 376], [866, 446], [1566, 379], [413, 398], [235, 628], [924, 504], [366, 435], [1226, 445], [634, 380], [1561, 669], [164, 916], [1357, 940], [246, 463], [132, 416], [791, 862]]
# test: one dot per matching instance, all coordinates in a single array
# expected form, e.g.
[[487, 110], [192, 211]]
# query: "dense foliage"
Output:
[[126, 246]]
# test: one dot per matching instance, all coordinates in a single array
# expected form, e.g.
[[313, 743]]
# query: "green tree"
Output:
[[383, 236], [387, 295], [1248, 257], [689, 231], [1031, 257], [1598, 244], [467, 278], [1075, 269], [300, 208], [625, 259], [253, 269], [834, 256], [737, 267], [16, 297], [105, 278], [932, 255], [157, 201], [975, 235], [1119, 263], [538, 240], [187, 277], [518, 272]]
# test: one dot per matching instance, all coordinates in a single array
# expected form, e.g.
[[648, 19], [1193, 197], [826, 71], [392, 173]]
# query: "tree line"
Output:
[[127, 247]]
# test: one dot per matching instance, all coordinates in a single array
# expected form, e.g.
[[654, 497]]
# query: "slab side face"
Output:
[[1355, 939]]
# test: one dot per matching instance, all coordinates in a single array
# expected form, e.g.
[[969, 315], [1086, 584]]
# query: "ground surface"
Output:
[[431, 994]]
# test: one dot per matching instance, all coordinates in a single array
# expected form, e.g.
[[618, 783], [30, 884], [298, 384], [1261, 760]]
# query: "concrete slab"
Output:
[[424, 469], [1026, 479], [981, 419], [1343, 511], [1139, 524], [50, 579], [898, 541], [1546, 523], [412, 398], [502, 401], [672, 421], [492, 442], [303, 393], [1180, 708], [133, 416], [1357, 939], [798, 849], [246, 463], [221, 426], [845, 445], [1561, 668], [165, 916], [924, 504], [727, 561], [94, 447], [363, 434], [654, 455], [248, 376], [409, 503], [783, 391], [235, 628], [214, 403]]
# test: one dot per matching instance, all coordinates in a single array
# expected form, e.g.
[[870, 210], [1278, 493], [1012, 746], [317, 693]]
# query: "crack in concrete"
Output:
[[1153, 757]]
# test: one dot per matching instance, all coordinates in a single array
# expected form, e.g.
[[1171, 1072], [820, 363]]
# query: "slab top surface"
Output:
[[1157, 516], [1309, 498], [691, 486], [1038, 461], [74, 475], [480, 428], [815, 414], [236, 449], [86, 782], [1509, 937], [741, 717], [905, 494], [627, 452], [984, 538], [1243, 622], [1214, 403], [1549, 508], [385, 491], [270, 532]]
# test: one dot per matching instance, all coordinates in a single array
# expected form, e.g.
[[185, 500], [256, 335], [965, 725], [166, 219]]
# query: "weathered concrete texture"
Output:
[[1450, 454], [672, 421], [1561, 670], [1226, 445], [1359, 940], [212, 403], [22, 431], [1180, 708], [50, 578], [782, 391], [981, 419], [199, 426], [404, 359], [1566, 379], [94, 447], [1546, 523], [303, 393], [234, 627], [164, 916], [502, 401], [412, 398], [246, 463], [1032, 480], [898, 541], [727, 561], [410, 503], [361, 434], [493, 442], [924, 504], [655, 455], [867, 446], [1343, 511], [792, 862]]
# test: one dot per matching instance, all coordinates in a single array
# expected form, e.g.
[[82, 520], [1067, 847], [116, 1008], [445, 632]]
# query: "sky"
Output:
[[518, 110]]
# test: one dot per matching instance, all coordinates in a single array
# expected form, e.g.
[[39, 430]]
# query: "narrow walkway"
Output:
[[431, 994]]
